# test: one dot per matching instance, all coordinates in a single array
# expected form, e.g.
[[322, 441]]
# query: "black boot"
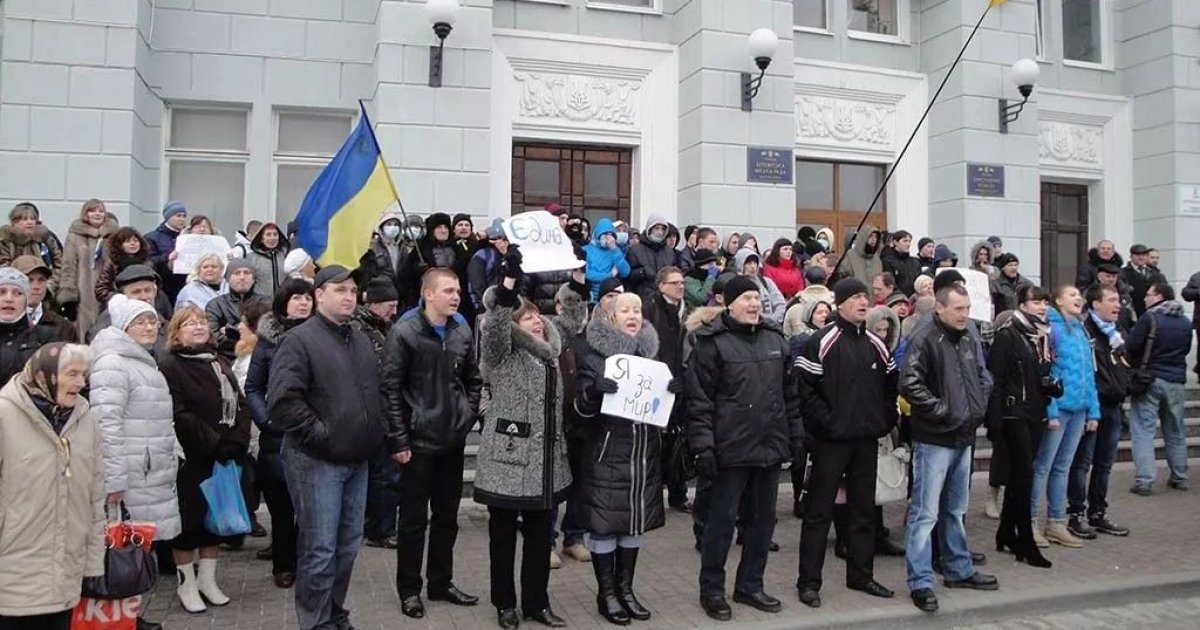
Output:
[[605, 564], [1006, 533], [1025, 548], [626, 567]]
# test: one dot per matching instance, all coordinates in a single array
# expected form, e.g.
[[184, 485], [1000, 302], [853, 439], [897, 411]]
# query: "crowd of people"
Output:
[[347, 397]]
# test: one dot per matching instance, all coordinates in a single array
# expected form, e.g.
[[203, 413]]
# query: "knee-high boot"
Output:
[[1006, 532], [1026, 549], [626, 567], [604, 565]]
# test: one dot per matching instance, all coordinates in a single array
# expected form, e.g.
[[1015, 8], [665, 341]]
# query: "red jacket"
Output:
[[787, 276]]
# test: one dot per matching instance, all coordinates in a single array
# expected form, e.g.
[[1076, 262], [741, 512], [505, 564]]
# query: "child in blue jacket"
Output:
[[604, 258]]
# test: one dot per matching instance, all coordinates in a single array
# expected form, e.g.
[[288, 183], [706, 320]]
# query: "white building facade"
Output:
[[623, 108]]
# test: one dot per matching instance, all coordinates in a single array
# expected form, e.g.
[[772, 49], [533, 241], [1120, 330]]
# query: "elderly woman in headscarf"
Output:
[[53, 489]]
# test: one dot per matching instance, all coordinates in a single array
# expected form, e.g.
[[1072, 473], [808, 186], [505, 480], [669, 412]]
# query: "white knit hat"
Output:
[[124, 310], [296, 260]]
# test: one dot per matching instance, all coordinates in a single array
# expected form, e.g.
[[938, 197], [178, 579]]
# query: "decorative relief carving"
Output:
[[845, 121], [578, 98], [1068, 143]]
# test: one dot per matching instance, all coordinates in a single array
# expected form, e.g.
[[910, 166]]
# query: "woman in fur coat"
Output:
[[522, 463], [621, 478], [83, 255], [123, 248]]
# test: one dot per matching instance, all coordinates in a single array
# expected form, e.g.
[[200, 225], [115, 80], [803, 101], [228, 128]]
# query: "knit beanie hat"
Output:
[[462, 216], [381, 290], [609, 285], [814, 275], [124, 310], [923, 242], [1005, 259], [995, 241], [736, 287], [847, 288], [240, 263], [947, 278], [11, 276], [173, 208], [495, 230], [296, 260]]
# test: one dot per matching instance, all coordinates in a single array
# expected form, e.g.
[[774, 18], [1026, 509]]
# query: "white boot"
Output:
[[206, 581], [991, 509], [188, 595]]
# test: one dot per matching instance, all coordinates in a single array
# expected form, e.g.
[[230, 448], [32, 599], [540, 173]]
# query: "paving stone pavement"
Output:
[[1163, 542], [1175, 614]]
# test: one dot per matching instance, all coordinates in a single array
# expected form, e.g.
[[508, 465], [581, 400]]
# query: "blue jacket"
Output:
[[1172, 342], [1073, 364], [601, 261]]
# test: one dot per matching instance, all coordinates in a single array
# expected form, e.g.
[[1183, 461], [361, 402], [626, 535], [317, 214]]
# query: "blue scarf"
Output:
[[1109, 329]]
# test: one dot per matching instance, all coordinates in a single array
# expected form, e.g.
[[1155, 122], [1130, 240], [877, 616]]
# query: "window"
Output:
[[836, 195], [1040, 29], [811, 14], [876, 17], [591, 181], [206, 159], [641, 6], [1083, 31], [304, 144]]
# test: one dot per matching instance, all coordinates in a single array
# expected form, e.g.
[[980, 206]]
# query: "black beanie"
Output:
[[1004, 259], [947, 278], [380, 290], [609, 285], [462, 216], [815, 275], [847, 288], [923, 242], [736, 287]]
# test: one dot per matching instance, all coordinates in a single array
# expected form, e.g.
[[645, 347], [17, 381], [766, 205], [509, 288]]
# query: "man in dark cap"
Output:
[[375, 317], [138, 282], [1104, 252], [1008, 283], [847, 385], [1109, 275], [465, 246], [1139, 275], [46, 319], [323, 393], [743, 415]]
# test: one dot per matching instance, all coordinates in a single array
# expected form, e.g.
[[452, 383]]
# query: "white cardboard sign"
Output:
[[979, 288], [643, 395], [190, 247], [544, 245]]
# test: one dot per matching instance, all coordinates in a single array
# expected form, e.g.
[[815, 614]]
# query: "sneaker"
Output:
[[1038, 538], [1142, 490], [1178, 484], [1056, 532], [1080, 528], [555, 560], [1100, 523], [387, 542]]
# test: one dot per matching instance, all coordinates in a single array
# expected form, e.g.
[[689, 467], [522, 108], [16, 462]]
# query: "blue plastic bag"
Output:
[[227, 515]]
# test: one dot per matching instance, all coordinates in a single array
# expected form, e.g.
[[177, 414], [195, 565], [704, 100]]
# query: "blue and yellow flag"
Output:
[[343, 205]]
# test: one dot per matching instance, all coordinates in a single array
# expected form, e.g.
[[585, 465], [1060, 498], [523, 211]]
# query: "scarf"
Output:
[[1109, 329], [229, 396], [40, 379], [1035, 330]]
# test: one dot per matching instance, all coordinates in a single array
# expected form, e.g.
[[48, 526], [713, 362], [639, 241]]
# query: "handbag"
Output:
[[129, 566], [226, 515], [891, 473], [1142, 378], [681, 465]]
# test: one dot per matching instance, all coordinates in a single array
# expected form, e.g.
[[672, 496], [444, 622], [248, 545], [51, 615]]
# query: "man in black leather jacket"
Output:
[[432, 386]]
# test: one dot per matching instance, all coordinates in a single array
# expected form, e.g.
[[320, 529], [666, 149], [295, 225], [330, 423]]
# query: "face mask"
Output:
[[622, 239], [823, 243], [391, 231], [414, 233]]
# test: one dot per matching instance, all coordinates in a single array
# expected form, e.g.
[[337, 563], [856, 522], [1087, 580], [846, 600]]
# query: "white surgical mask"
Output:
[[391, 231], [622, 239], [414, 233]]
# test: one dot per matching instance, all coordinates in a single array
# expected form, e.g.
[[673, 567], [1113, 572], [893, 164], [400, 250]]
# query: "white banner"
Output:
[[544, 246], [643, 395], [980, 290], [190, 247]]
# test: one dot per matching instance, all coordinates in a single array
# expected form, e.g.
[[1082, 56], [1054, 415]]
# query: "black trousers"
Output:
[[283, 520], [857, 462], [429, 498], [841, 524], [51, 621], [535, 557], [752, 492]]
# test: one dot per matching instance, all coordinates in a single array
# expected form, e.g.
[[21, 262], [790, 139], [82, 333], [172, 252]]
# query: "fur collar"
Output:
[[608, 341], [547, 350]]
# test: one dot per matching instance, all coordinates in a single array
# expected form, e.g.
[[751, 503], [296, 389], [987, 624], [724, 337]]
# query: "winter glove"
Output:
[[706, 465], [675, 385], [232, 333], [510, 265], [604, 385], [580, 254], [69, 310]]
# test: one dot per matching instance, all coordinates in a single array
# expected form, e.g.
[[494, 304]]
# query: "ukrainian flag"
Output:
[[343, 205]]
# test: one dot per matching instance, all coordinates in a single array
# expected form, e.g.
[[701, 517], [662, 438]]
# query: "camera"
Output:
[[1052, 387]]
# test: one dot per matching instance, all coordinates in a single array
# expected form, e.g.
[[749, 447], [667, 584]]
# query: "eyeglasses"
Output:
[[145, 323], [673, 283], [194, 323]]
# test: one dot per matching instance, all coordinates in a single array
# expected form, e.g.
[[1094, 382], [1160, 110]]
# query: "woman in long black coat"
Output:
[[212, 425], [620, 483]]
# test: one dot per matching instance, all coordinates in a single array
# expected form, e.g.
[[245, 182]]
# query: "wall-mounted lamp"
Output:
[[762, 44], [441, 15], [1025, 74]]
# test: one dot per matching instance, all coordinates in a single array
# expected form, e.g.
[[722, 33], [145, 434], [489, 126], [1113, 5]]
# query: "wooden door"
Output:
[[591, 181], [836, 195], [1064, 232]]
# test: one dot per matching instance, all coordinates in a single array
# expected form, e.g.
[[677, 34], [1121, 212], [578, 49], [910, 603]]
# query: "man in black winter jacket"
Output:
[[944, 381], [649, 254], [847, 384], [743, 415], [224, 312], [432, 386], [898, 261], [1139, 275], [666, 310], [323, 392]]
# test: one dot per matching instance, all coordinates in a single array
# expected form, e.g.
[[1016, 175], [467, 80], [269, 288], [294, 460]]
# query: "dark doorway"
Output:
[[590, 181], [1064, 232]]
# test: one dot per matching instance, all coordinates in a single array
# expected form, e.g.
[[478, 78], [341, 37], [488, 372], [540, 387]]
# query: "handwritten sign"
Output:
[[985, 180], [768, 165], [544, 245], [190, 247], [643, 395], [979, 288]]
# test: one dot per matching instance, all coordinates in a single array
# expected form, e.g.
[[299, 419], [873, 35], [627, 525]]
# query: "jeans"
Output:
[[429, 499], [857, 462], [329, 500], [535, 557], [1164, 401], [1087, 488], [608, 543], [383, 496], [940, 492], [752, 492], [1053, 462]]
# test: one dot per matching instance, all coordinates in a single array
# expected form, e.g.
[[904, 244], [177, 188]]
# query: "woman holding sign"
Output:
[[522, 463], [621, 480]]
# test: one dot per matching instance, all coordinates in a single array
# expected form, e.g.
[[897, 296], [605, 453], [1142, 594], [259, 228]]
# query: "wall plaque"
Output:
[[985, 180], [768, 165]]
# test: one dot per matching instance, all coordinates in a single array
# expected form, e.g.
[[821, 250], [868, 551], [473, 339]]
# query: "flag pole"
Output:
[[387, 172], [911, 137]]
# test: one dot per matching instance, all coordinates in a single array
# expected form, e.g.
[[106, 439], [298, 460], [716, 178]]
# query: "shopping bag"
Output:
[[129, 566], [891, 473], [227, 515], [106, 614]]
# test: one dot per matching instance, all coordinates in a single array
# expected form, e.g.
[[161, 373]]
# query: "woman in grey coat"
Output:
[[522, 465]]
